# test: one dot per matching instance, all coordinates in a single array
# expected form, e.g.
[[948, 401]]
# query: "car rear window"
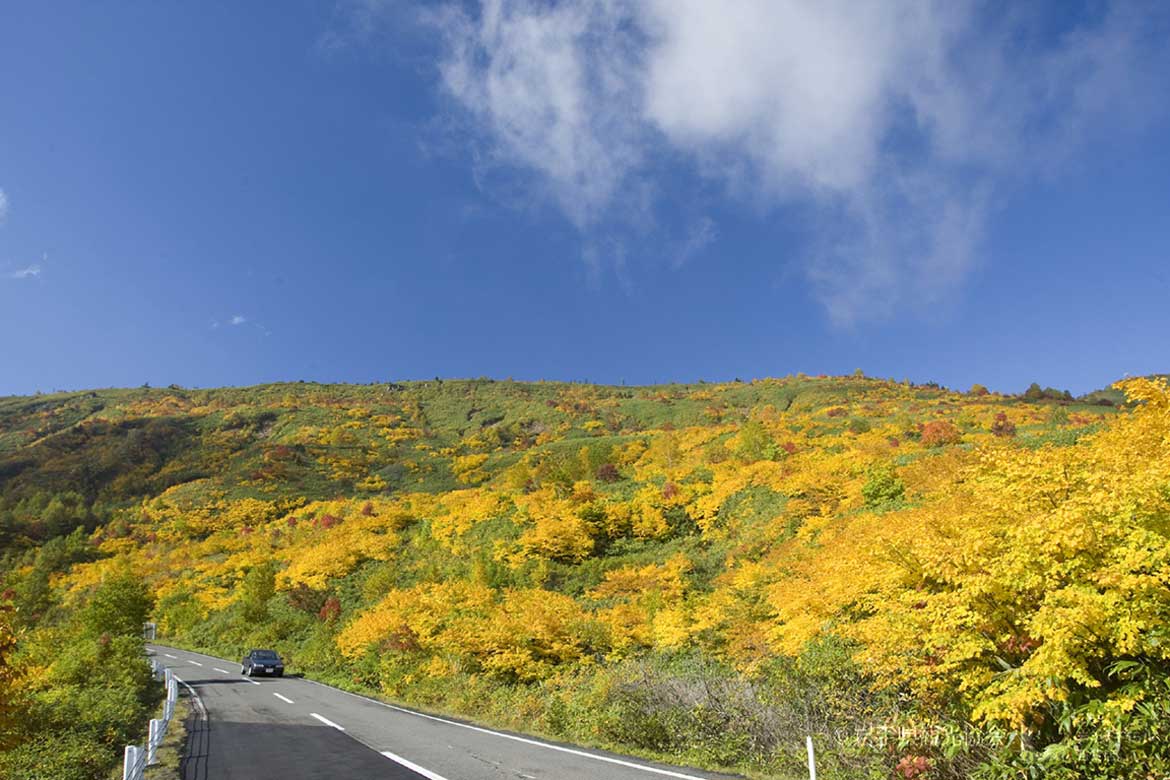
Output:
[[264, 654]]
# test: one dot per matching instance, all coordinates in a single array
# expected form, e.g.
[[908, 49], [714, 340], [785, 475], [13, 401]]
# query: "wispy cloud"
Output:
[[701, 235], [550, 85], [893, 125], [28, 272], [3, 207], [239, 320]]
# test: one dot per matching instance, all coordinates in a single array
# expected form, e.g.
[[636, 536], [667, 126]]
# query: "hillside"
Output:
[[706, 572], [101, 450]]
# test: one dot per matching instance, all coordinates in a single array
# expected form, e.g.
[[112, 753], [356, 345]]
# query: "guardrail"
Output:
[[137, 758]]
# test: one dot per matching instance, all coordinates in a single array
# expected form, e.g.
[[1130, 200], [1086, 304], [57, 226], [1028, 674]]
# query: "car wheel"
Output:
[[280, 674]]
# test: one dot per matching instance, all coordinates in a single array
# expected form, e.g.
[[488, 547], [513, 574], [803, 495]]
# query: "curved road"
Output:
[[296, 729]]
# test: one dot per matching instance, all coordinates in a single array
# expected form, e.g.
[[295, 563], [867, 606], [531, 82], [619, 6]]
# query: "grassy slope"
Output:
[[113, 453]]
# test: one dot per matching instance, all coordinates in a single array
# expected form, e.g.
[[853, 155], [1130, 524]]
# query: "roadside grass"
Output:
[[170, 751], [624, 711]]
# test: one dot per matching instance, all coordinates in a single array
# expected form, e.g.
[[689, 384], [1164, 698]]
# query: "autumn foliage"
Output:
[[745, 562]]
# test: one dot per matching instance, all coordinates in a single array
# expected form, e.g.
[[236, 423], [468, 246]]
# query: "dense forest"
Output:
[[933, 584]]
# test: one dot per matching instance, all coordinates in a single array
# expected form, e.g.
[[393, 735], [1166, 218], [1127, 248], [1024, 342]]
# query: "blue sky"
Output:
[[208, 194]]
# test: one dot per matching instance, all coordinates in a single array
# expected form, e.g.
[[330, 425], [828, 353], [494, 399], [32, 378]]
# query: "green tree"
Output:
[[118, 607], [32, 596], [10, 709], [882, 487], [755, 443], [258, 589]]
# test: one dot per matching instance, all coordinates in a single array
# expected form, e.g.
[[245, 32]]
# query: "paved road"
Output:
[[295, 729]]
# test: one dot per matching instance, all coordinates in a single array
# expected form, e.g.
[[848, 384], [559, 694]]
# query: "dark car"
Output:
[[262, 662]]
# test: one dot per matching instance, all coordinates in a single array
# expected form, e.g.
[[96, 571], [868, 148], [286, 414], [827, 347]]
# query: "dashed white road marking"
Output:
[[516, 738], [412, 766], [221, 671], [285, 699], [196, 663], [168, 655], [249, 679], [326, 721]]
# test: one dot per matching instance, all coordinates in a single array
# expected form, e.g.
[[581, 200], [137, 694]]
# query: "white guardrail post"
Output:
[[133, 763], [812, 761], [157, 729], [135, 759]]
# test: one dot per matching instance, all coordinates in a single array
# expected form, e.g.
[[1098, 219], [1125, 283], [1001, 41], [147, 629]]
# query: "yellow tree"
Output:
[[1018, 588], [10, 694]]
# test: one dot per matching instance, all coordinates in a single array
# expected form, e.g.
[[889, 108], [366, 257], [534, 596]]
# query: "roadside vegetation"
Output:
[[171, 751], [932, 584], [74, 683]]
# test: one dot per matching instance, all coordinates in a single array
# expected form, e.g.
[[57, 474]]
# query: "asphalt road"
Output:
[[296, 729]]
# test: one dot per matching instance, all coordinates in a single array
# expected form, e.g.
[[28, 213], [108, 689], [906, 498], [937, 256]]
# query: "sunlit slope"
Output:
[[295, 441], [547, 555]]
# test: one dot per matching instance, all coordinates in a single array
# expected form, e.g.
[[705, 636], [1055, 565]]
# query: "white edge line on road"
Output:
[[198, 701], [412, 766], [285, 699], [248, 679], [195, 662], [535, 743], [326, 721], [221, 671]]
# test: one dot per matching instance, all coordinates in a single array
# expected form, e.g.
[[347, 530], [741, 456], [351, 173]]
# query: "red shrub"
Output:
[[1003, 426], [939, 432], [607, 472], [330, 610], [402, 640], [911, 767]]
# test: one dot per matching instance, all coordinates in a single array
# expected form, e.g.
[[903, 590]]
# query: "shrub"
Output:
[[330, 610], [258, 588], [882, 487], [1003, 426], [1096, 740], [755, 443], [938, 433], [119, 606], [58, 756], [607, 472]]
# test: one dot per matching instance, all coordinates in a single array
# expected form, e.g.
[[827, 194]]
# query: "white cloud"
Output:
[[702, 234], [553, 86], [3, 207], [28, 272], [892, 124], [237, 319]]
